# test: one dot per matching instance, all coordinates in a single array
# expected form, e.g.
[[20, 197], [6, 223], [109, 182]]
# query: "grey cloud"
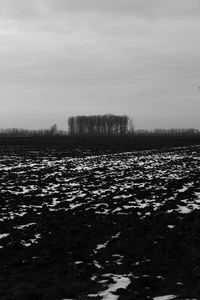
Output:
[[143, 8], [63, 57], [154, 8]]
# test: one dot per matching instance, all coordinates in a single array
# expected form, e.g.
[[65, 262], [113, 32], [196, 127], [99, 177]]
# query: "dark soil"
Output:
[[69, 223]]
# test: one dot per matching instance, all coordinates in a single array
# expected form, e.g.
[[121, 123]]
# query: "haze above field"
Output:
[[67, 57]]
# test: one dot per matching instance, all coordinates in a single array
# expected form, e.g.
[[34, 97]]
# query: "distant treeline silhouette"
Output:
[[96, 125], [15, 132], [100, 125], [170, 132]]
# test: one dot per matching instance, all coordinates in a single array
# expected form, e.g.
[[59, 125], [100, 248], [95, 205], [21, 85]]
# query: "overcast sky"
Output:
[[68, 57]]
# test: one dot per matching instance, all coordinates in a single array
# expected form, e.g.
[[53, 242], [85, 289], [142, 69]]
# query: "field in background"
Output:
[[84, 145], [77, 225]]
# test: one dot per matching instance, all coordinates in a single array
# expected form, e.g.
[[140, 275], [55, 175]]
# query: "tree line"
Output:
[[100, 125], [170, 132], [20, 132], [105, 125]]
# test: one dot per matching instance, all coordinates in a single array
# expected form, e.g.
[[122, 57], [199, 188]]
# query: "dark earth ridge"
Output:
[[79, 145]]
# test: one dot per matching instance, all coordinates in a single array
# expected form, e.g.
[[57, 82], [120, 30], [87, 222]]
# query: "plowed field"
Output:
[[116, 226]]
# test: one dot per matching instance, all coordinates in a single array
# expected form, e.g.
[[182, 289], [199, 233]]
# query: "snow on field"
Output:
[[121, 281], [168, 297], [107, 184], [141, 184], [4, 235]]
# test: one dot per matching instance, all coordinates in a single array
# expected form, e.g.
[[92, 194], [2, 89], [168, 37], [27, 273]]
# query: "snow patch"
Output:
[[3, 235], [168, 297], [184, 209], [121, 281]]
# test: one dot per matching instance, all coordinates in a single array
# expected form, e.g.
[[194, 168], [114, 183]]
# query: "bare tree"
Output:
[[99, 125], [54, 130]]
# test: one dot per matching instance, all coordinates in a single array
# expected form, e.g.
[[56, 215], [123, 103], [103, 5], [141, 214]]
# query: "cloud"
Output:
[[143, 8], [146, 8], [87, 56]]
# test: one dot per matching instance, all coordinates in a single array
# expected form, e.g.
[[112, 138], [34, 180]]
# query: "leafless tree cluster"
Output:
[[99, 125], [169, 132], [107, 125]]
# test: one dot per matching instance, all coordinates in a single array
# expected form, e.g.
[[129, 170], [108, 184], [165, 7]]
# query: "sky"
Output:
[[60, 58]]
